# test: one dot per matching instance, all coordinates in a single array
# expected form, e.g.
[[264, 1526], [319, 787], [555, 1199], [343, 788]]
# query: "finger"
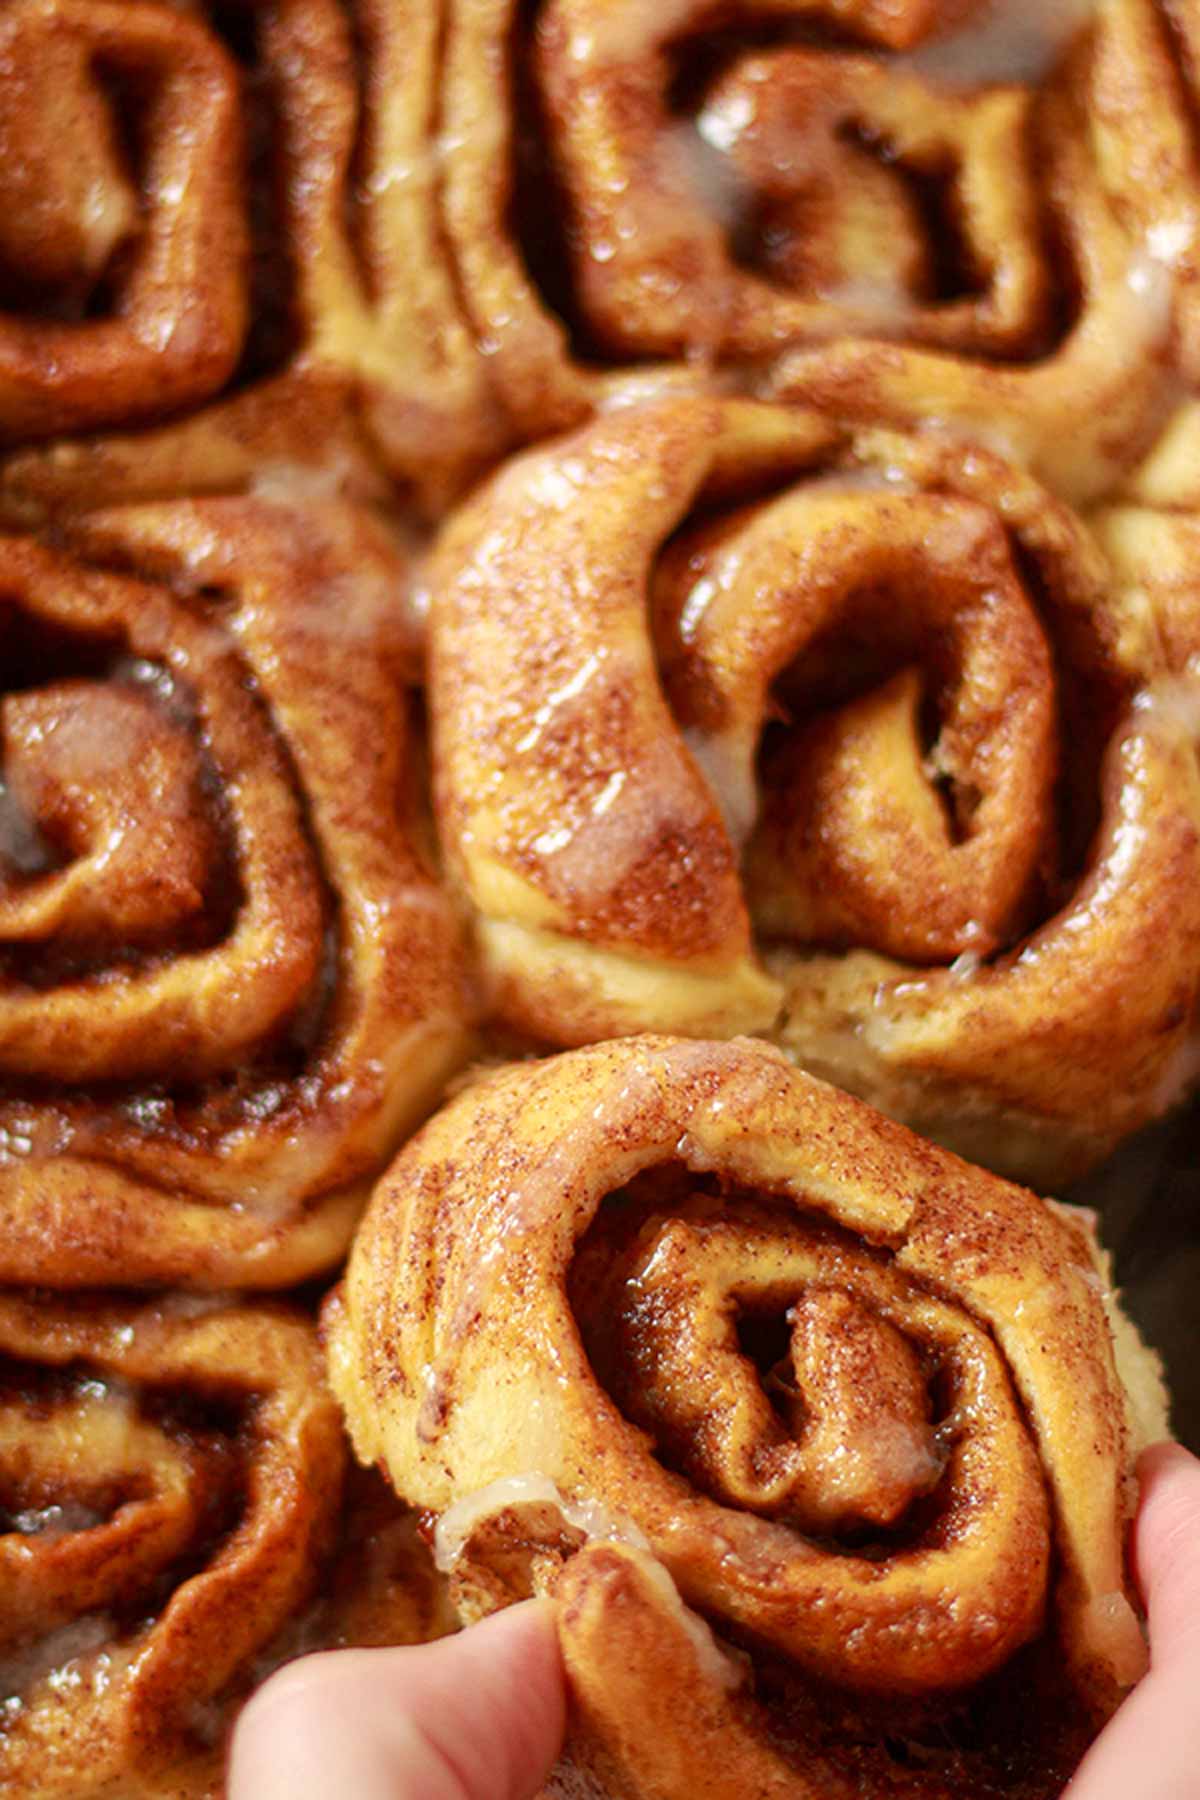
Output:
[[1167, 1549], [474, 1717], [1152, 1747]]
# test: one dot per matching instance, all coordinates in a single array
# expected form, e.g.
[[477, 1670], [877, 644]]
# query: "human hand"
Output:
[[474, 1717], [481, 1716], [1152, 1747]]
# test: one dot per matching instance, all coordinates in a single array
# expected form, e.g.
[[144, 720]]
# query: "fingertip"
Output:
[[514, 1663], [526, 1633], [1163, 1460], [1167, 1544], [479, 1714]]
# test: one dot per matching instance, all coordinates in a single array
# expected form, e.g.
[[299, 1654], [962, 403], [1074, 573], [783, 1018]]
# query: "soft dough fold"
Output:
[[230, 981], [748, 1348], [747, 720]]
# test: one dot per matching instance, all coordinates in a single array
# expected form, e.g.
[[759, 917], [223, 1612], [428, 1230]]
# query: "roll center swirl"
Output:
[[842, 1419], [773, 1391], [117, 789], [919, 839]]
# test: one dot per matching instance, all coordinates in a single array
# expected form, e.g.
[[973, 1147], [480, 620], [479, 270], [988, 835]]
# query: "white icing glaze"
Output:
[[639, 386], [32, 1134], [597, 1525], [1172, 705], [56, 1520], [22, 846], [458, 1522], [711, 1660], [1149, 279], [194, 1306], [298, 484], [66, 1658], [1014, 40], [871, 478], [1180, 1076]]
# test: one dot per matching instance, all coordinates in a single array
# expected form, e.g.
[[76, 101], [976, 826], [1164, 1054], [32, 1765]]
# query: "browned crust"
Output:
[[294, 665]]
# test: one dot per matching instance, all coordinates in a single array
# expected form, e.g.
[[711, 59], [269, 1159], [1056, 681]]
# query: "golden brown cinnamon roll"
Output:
[[230, 984], [964, 234], [171, 1499], [816, 1432], [121, 230], [1086, 288], [358, 354], [703, 665]]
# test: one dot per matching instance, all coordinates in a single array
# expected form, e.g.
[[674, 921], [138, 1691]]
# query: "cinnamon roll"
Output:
[[1089, 283], [815, 1432], [358, 364], [702, 666], [963, 234], [121, 229], [230, 983], [171, 1482]]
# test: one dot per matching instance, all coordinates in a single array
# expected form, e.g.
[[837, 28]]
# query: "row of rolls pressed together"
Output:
[[737, 720], [668, 535], [388, 240]]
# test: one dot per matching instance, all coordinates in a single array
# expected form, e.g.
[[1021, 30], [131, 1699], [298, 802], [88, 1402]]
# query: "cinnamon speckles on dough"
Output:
[[662, 1264]]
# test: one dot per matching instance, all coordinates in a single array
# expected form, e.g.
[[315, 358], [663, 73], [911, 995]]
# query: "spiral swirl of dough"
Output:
[[783, 201], [174, 1525], [471, 229], [703, 664], [858, 1399], [230, 984], [121, 290], [357, 364], [163, 1520]]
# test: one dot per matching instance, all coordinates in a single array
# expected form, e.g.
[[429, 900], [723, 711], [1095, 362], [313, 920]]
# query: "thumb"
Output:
[[1152, 1747], [474, 1717], [1167, 1551]]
